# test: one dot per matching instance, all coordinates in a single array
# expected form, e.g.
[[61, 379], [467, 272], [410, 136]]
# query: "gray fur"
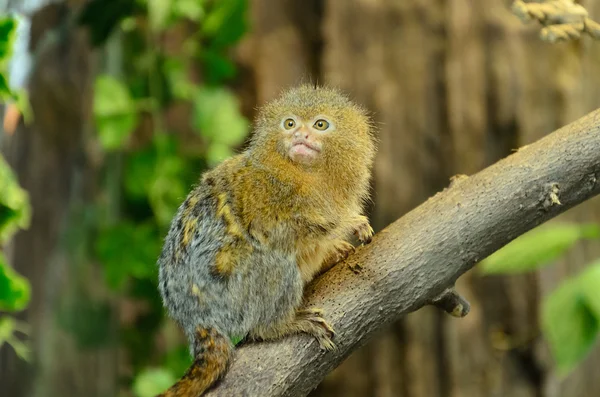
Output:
[[235, 305]]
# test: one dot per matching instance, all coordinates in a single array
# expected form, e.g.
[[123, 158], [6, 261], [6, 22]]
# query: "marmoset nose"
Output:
[[301, 132]]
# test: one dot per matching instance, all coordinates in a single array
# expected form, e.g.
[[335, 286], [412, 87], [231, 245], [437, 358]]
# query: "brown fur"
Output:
[[300, 213], [324, 199], [213, 352]]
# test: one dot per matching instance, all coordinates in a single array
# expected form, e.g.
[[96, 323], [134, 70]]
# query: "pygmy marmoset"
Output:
[[262, 224]]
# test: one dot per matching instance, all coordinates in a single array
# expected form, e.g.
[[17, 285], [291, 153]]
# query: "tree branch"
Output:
[[415, 260]]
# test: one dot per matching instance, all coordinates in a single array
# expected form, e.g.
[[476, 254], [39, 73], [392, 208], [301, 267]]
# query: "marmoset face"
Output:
[[303, 139], [315, 127]]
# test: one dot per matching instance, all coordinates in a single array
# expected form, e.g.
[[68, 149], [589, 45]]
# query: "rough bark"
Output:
[[416, 258]]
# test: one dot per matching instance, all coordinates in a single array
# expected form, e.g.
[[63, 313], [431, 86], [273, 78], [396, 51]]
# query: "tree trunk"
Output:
[[51, 162], [454, 86]]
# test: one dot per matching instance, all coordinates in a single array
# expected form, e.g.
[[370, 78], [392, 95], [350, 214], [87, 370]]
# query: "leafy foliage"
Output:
[[156, 162], [9, 327], [8, 28], [571, 319], [7, 32], [115, 112], [15, 290], [128, 250], [570, 315], [15, 212], [537, 248], [217, 118]]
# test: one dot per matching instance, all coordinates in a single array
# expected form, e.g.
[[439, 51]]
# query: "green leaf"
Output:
[[5, 92], [167, 190], [139, 173], [537, 248], [178, 360], [153, 381], [21, 98], [217, 116], [8, 328], [217, 67], [161, 175], [569, 325], [15, 211], [237, 339], [589, 284], [7, 34], [190, 9], [15, 291], [128, 250], [225, 22], [176, 72], [159, 12], [115, 112]]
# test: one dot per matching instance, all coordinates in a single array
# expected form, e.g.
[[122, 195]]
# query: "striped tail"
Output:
[[212, 354]]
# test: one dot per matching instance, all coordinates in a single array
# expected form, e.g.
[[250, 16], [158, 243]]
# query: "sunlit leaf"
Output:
[[217, 117], [569, 325], [158, 13], [537, 248], [190, 9], [21, 98], [153, 381], [8, 329], [5, 92], [7, 34], [15, 291], [115, 112], [237, 339], [15, 211]]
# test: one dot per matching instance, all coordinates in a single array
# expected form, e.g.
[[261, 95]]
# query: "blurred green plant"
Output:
[[15, 214], [8, 28], [570, 315], [150, 164]]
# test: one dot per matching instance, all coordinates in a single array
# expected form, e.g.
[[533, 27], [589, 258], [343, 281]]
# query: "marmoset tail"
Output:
[[262, 224]]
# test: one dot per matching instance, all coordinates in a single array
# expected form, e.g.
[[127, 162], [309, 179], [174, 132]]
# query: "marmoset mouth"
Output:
[[305, 144]]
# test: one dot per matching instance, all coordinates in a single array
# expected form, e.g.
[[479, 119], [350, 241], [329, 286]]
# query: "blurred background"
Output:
[[113, 108]]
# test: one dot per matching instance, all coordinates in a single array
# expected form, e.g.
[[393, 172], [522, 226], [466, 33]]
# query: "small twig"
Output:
[[452, 303]]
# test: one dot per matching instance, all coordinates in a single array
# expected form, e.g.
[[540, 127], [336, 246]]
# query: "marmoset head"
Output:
[[315, 127]]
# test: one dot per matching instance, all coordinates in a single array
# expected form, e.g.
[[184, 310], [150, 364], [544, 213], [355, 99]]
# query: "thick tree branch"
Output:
[[416, 259]]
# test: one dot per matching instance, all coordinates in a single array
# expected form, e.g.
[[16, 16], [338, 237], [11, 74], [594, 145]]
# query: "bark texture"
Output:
[[454, 86], [416, 258]]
